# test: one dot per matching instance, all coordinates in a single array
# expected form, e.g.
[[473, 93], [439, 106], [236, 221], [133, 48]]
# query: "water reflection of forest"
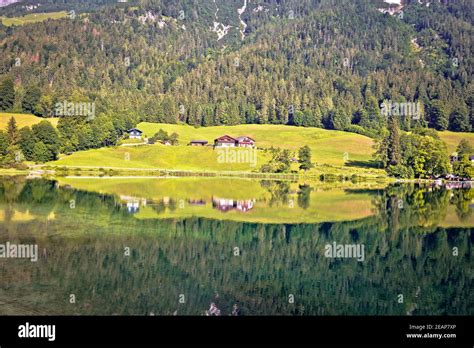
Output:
[[406, 253]]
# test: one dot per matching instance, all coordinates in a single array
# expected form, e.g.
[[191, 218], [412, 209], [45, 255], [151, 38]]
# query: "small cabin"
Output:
[[135, 133], [198, 143], [471, 158], [225, 141], [245, 142]]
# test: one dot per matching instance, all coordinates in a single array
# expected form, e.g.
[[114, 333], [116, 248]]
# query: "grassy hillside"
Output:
[[23, 120], [327, 146], [452, 139], [332, 151], [32, 18], [157, 156]]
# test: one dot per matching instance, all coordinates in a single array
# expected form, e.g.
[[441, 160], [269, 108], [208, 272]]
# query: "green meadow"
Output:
[[333, 152], [328, 146], [32, 18], [23, 120], [157, 156], [452, 139]]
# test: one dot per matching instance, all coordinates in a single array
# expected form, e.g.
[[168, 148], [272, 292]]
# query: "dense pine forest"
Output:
[[312, 63]]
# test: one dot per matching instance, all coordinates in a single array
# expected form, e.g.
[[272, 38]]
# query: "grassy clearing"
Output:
[[32, 18], [157, 156], [452, 139], [334, 152], [328, 146], [23, 120]]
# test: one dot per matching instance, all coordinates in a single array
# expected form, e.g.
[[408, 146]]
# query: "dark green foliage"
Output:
[[464, 149], [27, 143], [4, 143], [394, 149], [163, 137], [438, 116], [333, 63], [280, 162], [46, 138], [420, 155], [12, 131], [41, 153], [400, 171], [7, 94], [304, 156], [463, 168], [459, 120], [31, 99]]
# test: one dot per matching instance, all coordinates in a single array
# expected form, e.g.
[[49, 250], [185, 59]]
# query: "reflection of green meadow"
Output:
[[405, 249], [276, 202]]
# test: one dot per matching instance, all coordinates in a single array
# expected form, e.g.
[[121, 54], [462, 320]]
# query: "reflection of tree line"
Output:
[[410, 205], [280, 192], [195, 257]]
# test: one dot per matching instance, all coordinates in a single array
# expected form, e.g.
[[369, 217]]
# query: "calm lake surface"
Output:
[[174, 246]]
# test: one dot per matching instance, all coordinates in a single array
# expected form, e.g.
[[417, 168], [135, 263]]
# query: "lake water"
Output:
[[175, 246]]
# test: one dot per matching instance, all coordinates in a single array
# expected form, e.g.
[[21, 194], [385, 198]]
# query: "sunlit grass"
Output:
[[23, 120], [32, 18]]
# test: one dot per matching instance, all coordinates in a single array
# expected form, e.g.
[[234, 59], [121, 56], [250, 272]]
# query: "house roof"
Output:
[[226, 138], [134, 130], [245, 138], [199, 141]]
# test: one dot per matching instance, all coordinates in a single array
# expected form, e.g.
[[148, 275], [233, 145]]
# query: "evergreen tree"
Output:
[[4, 143], [27, 142], [304, 156], [12, 131], [459, 121], [7, 94], [31, 99], [438, 116], [381, 148], [394, 148]]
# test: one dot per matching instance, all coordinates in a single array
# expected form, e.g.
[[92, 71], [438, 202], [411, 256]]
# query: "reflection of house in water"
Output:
[[451, 185], [196, 202], [133, 204], [225, 204]]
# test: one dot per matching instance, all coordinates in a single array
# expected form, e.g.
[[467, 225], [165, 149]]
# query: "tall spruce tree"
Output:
[[394, 148], [7, 94], [12, 131]]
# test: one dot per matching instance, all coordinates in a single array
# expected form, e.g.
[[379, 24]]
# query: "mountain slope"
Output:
[[311, 62]]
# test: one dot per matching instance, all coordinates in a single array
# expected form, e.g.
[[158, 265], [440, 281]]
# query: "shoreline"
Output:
[[94, 172]]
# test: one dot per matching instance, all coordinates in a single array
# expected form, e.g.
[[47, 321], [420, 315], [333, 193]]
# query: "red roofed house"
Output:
[[245, 142], [228, 141], [225, 141]]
